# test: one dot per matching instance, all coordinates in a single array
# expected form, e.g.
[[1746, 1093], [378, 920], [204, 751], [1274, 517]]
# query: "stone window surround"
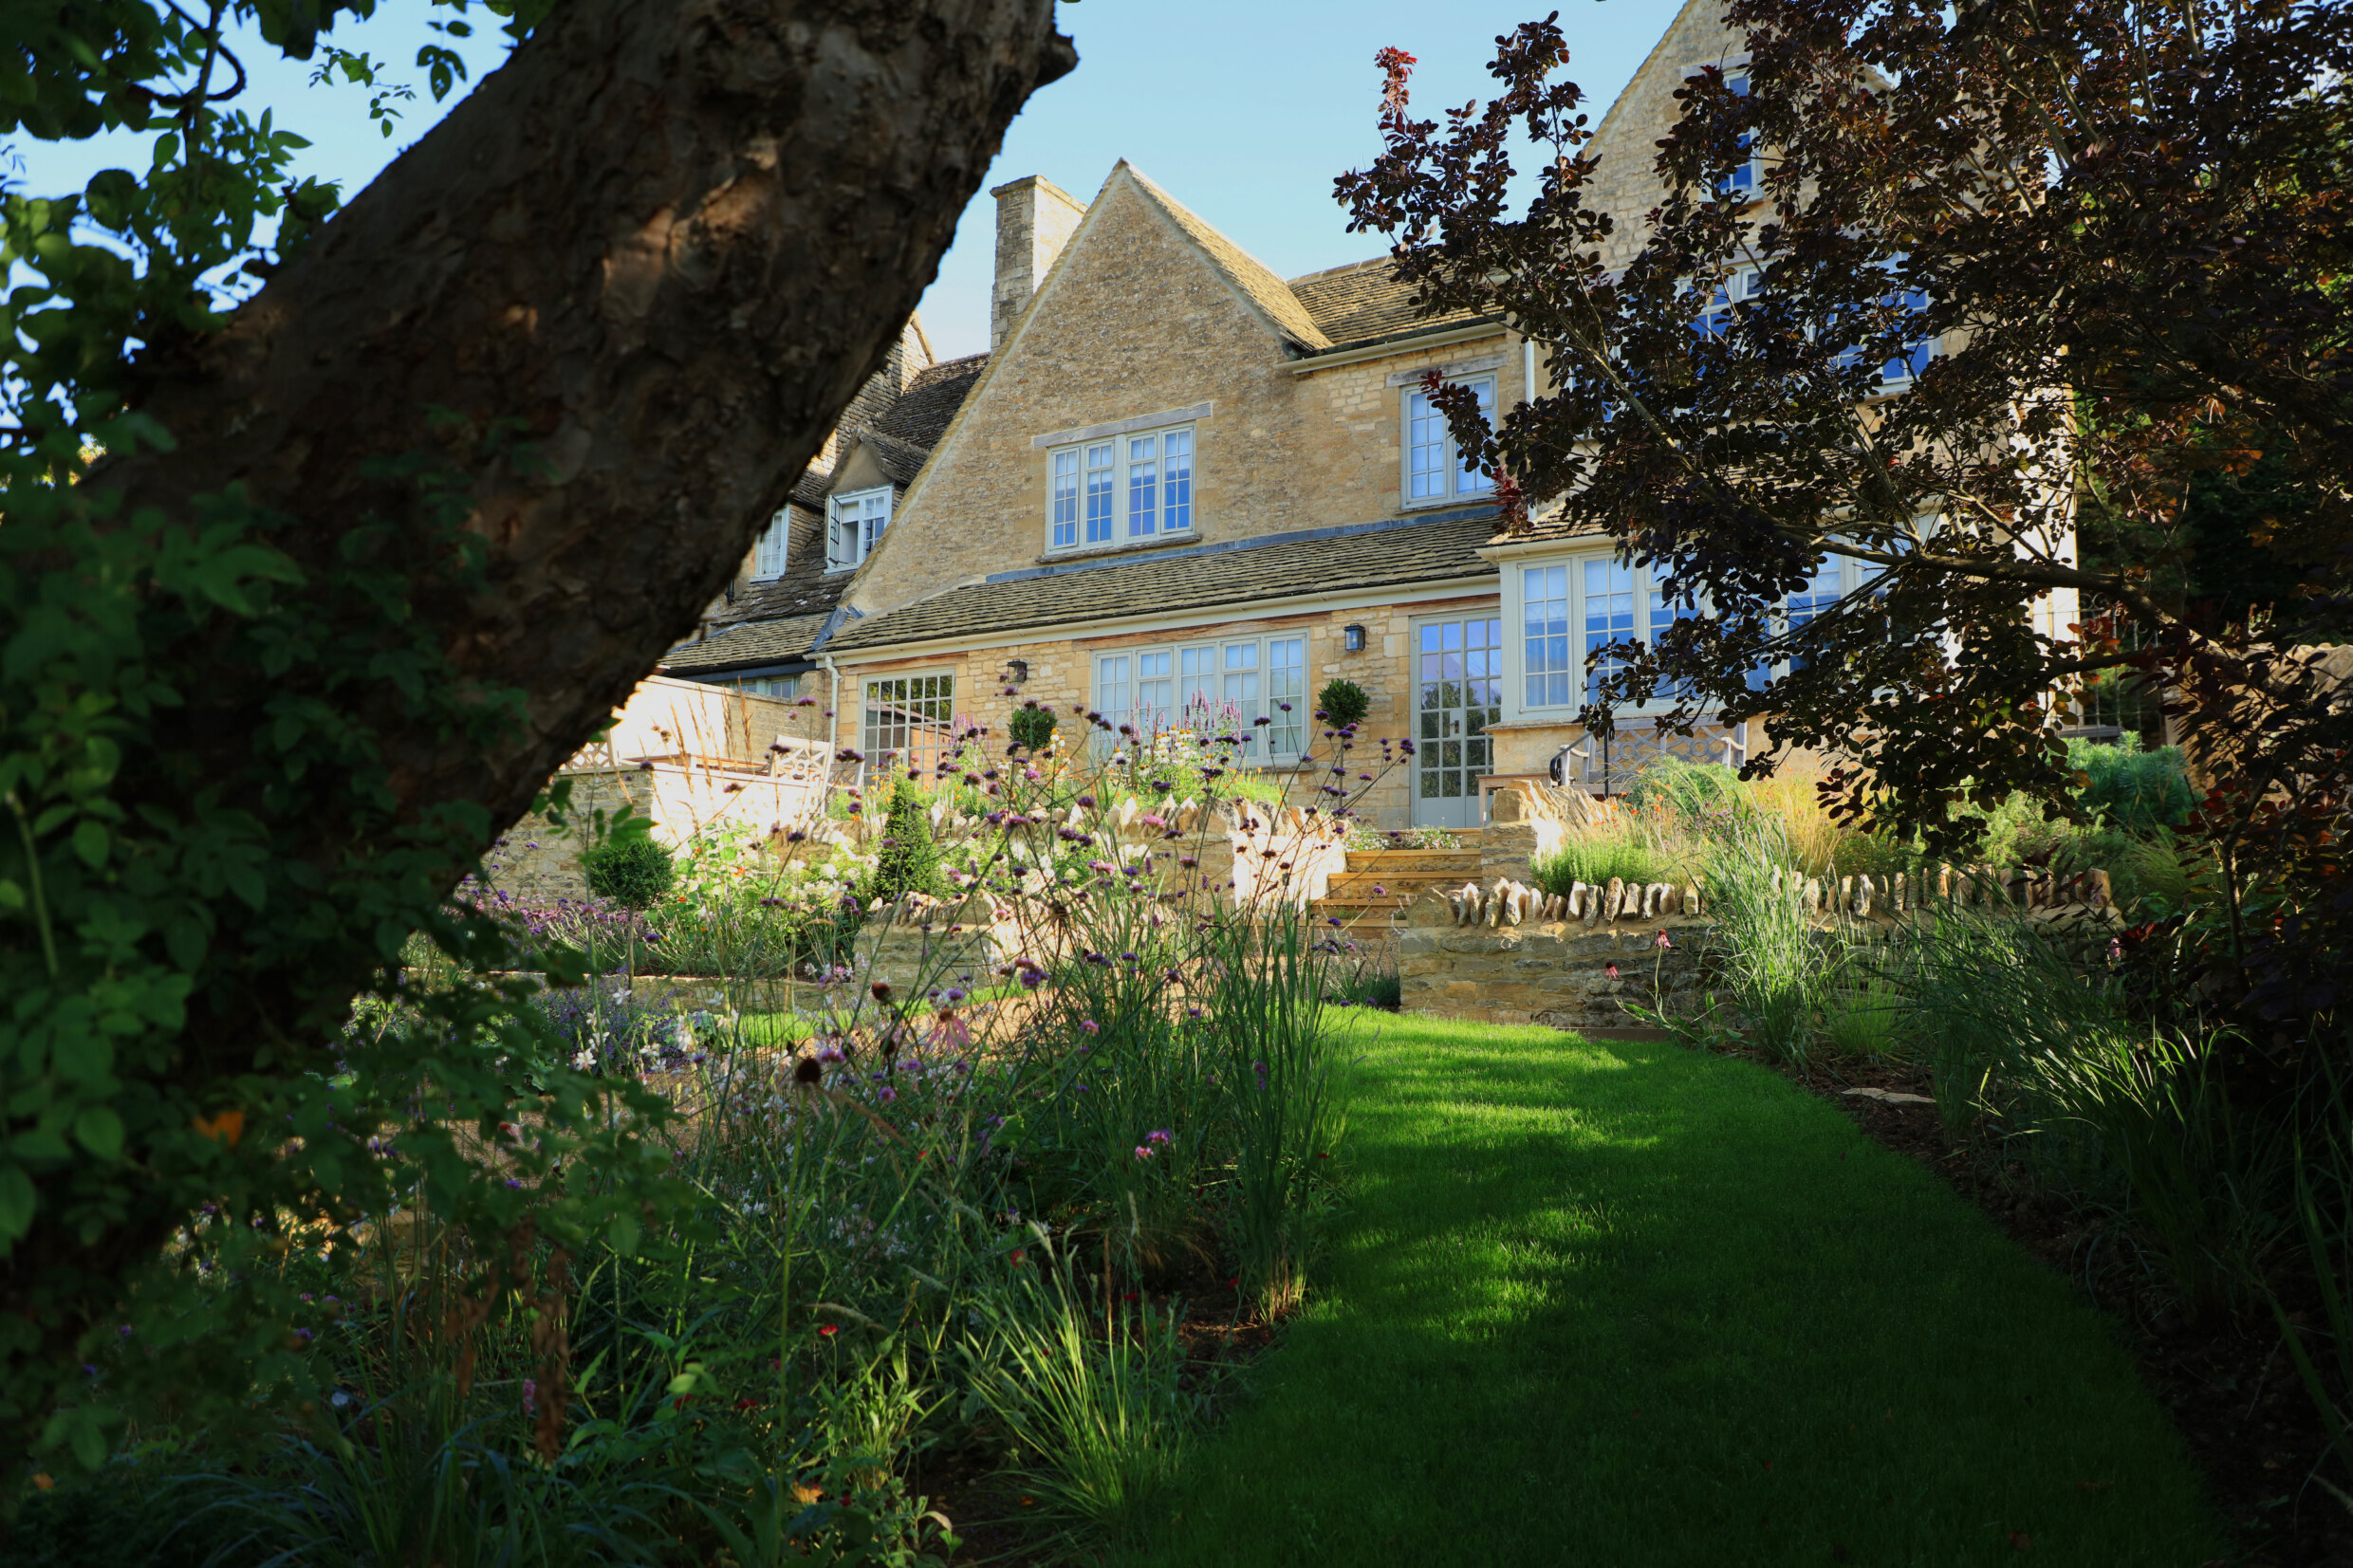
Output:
[[1187, 419], [1735, 63]]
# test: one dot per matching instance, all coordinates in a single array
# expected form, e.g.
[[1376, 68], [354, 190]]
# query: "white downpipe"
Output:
[[833, 705]]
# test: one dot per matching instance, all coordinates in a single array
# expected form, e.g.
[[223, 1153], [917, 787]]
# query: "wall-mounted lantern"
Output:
[[1021, 671], [1352, 638]]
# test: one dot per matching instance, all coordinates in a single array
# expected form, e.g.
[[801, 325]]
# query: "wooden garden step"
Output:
[[1461, 863], [1360, 885]]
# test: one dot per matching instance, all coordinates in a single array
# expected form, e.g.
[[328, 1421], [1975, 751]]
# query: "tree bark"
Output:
[[668, 241]]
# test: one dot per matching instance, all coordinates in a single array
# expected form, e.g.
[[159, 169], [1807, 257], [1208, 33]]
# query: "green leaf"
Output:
[[18, 1200], [41, 1143], [89, 1443], [89, 842], [100, 1130], [622, 1230], [11, 896]]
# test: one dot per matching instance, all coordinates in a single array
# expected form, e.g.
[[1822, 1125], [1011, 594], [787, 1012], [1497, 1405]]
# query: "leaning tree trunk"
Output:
[[672, 240], [664, 245]]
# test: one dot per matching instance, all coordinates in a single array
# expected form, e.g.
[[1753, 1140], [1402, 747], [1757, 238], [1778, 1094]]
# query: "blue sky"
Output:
[[1244, 112]]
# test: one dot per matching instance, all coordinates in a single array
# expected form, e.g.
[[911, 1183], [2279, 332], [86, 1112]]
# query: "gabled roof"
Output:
[[1367, 301], [901, 460], [921, 414], [1432, 549], [1248, 276]]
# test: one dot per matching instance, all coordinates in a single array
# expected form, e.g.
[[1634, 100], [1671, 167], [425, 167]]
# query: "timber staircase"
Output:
[[1380, 883]]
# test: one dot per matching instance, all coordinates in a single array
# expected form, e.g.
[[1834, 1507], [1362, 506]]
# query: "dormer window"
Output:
[[1124, 488], [856, 521], [1435, 471], [768, 555]]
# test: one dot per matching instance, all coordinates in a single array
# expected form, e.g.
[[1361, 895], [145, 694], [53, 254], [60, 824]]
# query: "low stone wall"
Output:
[[538, 861], [936, 949], [1528, 820], [1551, 972], [702, 993]]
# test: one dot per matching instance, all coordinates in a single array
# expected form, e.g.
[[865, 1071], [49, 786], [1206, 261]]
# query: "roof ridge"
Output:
[[1609, 115], [1344, 267], [942, 367], [1258, 282]]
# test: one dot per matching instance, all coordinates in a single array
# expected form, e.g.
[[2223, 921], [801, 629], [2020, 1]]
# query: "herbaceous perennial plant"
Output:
[[947, 1230]]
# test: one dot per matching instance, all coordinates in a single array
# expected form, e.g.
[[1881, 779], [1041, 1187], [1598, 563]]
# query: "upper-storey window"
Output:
[[1738, 286], [1122, 489], [1433, 469], [768, 555], [857, 521], [1745, 179]]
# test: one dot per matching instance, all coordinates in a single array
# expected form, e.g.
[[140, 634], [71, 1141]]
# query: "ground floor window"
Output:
[[1223, 686], [1569, 610], [909, 720]]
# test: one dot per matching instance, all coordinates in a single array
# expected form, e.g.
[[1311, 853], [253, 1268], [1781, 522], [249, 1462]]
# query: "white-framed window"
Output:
[[1735, 289], [1550, 659], [767, 552], [1898, 373], [908, 720], [1745, 179], [785, 687], [856, 521], [1434, 471], [1121, 488], [1221, 687], [1571, 608]]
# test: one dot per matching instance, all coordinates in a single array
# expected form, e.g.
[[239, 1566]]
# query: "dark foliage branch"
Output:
[[2124, 230], [366, 558]]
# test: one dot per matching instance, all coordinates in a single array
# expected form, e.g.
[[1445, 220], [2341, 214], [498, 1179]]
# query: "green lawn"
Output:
[[1618, 1303]]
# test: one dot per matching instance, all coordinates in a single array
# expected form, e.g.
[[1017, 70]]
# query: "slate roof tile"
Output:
[[1365, 302], [1430, 550], [920, 417], [744, 644]]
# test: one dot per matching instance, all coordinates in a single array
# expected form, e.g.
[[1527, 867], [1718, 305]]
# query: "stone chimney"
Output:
[[1035, 218]]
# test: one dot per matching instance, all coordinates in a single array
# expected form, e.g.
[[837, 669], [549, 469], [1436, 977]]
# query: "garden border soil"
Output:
[[2228, 1384]]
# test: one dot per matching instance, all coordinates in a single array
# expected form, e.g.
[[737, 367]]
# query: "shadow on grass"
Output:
[[1621, 1303]]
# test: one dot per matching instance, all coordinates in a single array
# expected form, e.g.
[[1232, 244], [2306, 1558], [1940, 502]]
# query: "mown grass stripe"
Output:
[[1623, 1303]]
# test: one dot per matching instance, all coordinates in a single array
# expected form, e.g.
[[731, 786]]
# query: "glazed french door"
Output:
[[1457, 693]]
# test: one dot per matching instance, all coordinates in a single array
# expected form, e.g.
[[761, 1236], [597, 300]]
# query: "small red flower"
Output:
[[1610, 969], [826, 1331]]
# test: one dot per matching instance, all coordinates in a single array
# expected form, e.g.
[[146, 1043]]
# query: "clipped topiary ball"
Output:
[[1032, 727], [1343, 704], [631, 872]]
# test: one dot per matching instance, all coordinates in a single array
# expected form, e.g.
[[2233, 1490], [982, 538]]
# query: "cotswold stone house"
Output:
[[759, 634], [1179, 481], [1184, 482]]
